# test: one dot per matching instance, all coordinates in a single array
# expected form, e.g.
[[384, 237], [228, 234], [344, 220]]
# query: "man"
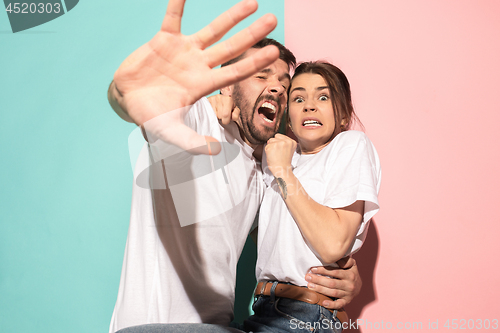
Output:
[[186, 236]]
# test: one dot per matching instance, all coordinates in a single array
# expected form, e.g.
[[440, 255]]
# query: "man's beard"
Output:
[[246, 123]]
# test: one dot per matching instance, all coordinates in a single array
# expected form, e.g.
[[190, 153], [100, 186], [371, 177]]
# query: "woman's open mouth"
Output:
[[311, 123]]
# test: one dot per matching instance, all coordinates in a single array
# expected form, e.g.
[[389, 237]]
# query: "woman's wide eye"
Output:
[[298, 100], [323, 98]]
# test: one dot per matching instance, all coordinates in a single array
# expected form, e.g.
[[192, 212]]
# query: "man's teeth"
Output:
[[269, 106], [268, 120], [311, 123]]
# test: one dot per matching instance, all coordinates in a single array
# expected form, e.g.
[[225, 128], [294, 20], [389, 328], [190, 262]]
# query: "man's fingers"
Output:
[[346, 281], [224, 22], [228, 75], [335, 305], [223, 107], [333, 273], [330, 271], [335, 293], [241, 41], [172, 21], [235, 114], [226, 113], [326, 285]]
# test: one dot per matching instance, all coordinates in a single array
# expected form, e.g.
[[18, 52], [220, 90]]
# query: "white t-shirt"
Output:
[[185, 237], [346, 170]]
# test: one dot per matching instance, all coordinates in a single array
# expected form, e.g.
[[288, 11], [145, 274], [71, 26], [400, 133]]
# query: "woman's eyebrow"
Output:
[[297, 88], [303, 89]]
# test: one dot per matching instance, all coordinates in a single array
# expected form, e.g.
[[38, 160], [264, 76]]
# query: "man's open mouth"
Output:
[[268, 111]]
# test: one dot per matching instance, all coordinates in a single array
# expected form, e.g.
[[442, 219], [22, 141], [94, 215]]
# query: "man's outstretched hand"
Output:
[[172, 71]]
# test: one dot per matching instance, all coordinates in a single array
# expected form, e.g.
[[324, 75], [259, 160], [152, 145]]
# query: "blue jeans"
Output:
[[179, 328], [274, 314]]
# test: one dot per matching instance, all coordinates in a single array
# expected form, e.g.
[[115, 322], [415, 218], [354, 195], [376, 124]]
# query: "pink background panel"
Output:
[[425, 80]]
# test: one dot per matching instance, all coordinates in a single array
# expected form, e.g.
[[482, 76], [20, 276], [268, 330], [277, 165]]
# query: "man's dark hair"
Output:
[[285, 54]]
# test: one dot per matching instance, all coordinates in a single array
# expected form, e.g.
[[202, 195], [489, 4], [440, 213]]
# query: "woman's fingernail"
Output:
[[314, 269], [311, 285], [308, 277]]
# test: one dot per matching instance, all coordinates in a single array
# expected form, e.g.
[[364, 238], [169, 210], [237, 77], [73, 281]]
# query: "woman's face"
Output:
[[311, 112]]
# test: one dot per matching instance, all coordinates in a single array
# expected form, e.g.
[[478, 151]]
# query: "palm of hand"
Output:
[[165, 74], [172, 71]]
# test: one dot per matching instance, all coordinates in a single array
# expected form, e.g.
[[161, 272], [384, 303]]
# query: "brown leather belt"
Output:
[[298, 293]]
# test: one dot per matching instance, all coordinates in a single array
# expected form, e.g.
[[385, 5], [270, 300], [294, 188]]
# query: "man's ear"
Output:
[[227, 91]]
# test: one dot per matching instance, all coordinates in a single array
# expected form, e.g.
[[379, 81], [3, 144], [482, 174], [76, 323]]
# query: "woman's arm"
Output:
[[329, 232]]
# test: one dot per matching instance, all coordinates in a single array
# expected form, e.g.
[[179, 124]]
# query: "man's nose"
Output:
[[276, 88]]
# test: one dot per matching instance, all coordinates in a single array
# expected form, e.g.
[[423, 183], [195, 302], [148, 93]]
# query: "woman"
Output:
[[321, 196]]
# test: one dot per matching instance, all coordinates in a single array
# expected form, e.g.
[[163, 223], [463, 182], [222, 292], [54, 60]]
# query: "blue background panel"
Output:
[[65, 171]]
